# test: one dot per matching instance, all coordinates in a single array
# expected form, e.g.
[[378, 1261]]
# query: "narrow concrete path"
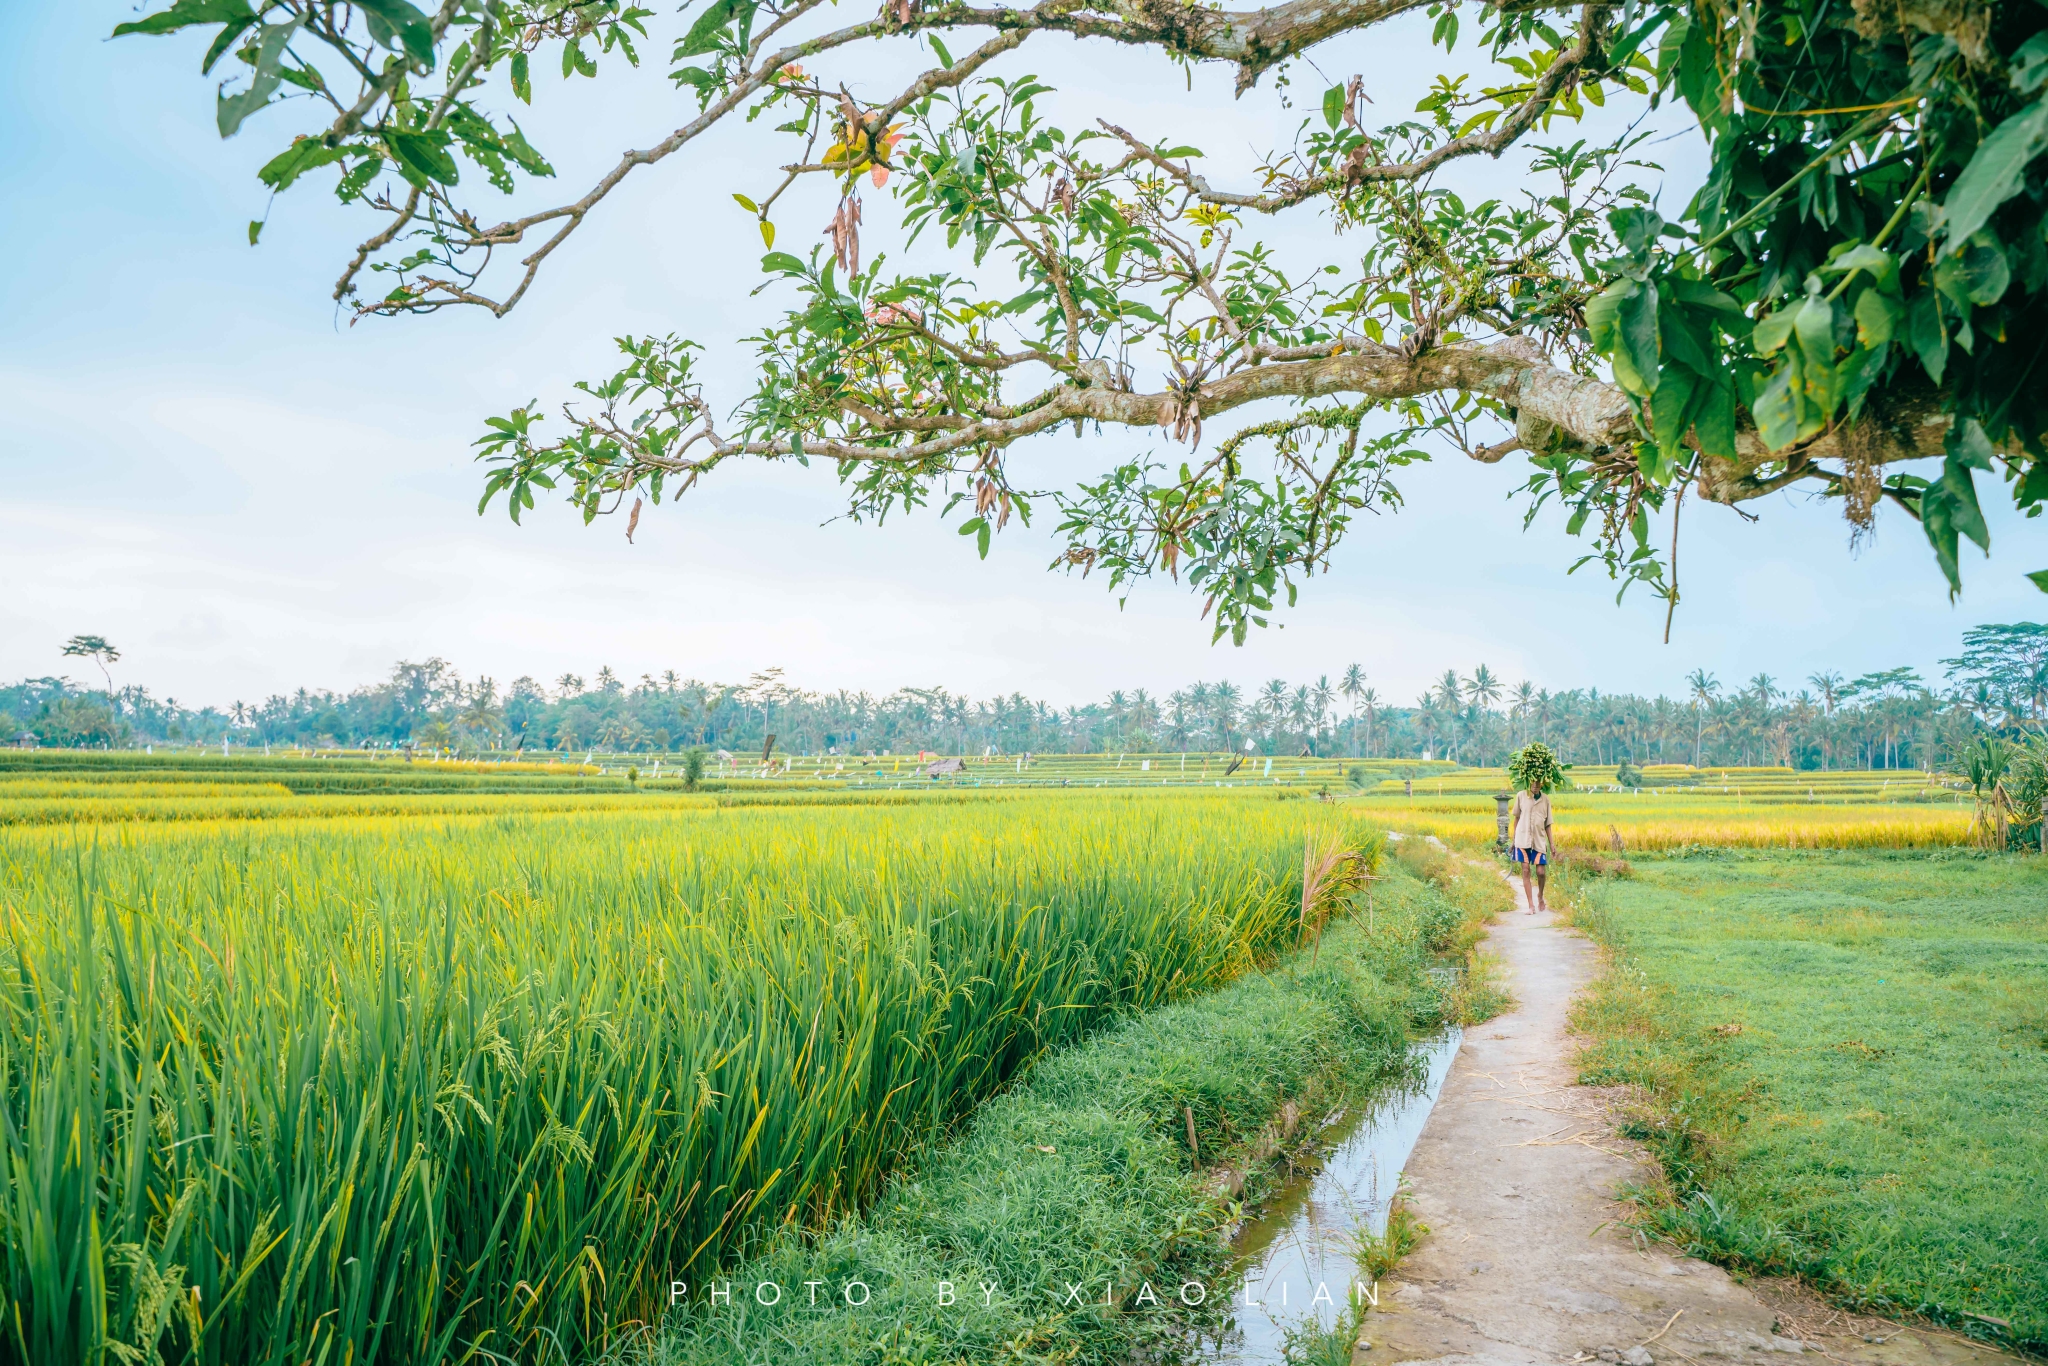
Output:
[[1528, 1260]]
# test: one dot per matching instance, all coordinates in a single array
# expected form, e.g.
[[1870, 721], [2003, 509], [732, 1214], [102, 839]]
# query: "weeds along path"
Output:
[[1528, 1259]]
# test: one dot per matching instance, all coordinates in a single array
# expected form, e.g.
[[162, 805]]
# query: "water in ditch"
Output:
[[1299, 1255]]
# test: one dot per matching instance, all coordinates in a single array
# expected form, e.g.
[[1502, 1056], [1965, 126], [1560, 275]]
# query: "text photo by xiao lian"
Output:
[[829, 1295]]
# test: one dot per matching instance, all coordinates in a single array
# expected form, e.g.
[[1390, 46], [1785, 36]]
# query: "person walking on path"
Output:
[[1530, 841]]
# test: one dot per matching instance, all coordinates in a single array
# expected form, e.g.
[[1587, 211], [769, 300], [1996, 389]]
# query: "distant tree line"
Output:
[[1890, 719]]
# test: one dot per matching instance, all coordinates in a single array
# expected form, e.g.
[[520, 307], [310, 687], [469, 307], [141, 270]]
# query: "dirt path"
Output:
[[1527, 1260]]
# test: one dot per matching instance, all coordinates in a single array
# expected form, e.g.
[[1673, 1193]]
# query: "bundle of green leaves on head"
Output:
[[1853, 302], [1535, 763]]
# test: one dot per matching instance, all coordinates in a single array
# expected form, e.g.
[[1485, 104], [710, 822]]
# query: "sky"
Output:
[[201, 461]]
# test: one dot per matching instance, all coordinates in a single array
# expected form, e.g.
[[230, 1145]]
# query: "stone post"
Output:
[[1500, 817]]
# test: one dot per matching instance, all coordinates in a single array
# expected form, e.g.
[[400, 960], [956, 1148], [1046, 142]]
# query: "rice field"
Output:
[[1687, 808], [476, 1084], [346, 1059]]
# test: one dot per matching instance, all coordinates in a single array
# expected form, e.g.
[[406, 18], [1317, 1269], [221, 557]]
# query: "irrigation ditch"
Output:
[[1310, 1250]]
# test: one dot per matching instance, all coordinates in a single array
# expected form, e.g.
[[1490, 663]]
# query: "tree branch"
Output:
[[1586, 48]]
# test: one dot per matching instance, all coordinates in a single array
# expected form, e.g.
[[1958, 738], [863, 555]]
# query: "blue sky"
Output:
[[202, 462]]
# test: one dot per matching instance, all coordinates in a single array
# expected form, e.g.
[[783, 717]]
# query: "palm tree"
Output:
[[1322, 700], [1198, 710], [1272, 705], [1829, 686], [1352, 685], [1483, 688], [1428, 713], [483, 712], [1705, 687], [1297, 711], [1144, 711], [1369, 698], [1450, 692]]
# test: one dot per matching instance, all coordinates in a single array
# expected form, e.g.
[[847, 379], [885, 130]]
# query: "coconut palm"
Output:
[[1705, 688], [1226, 704], [1272, 706], [1483, 688]]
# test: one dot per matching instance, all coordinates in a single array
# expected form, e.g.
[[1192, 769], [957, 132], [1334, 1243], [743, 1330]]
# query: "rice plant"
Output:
[[422, 1090]]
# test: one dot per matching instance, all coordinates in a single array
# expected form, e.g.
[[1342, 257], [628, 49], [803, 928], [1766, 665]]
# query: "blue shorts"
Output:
[[1534, 856]]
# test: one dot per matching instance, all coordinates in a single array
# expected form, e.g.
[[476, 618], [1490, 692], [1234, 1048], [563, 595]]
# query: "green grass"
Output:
[[1846, 1059]]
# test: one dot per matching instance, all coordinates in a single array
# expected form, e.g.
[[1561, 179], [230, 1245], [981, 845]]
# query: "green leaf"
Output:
[[1865, 257], [1996, 173], [1926, 335], [1877, 315], [945, 57], [1964, 514], [1975, 274], [1623, 321], [231, 110], [422, 156], [225, 40], [781, 263], [255, 230], [522, 78], [1772, 332], [749, 205], [1968, 446], [294, 161], [978, 528], [1814, 324], [185, 13], [397, 24], [1714, 418], [710, 26], [1934, 520], [696, 77], [1333, 105], [2039, 578], [1777, 412], [1639, 335], [2030, 64], [1671, 413]]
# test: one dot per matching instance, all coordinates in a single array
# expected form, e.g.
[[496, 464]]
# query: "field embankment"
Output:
[[1841, 1060], [401, 1090]]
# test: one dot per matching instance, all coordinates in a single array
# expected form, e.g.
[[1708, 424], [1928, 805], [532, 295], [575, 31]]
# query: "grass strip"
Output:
[[1071, 1220], [1841, 1059]]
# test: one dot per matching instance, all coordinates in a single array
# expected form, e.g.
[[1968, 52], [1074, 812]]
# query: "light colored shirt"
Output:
[[1530, 822]]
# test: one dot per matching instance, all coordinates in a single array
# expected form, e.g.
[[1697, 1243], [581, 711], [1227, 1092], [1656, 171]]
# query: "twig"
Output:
[[1662, 1331]]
